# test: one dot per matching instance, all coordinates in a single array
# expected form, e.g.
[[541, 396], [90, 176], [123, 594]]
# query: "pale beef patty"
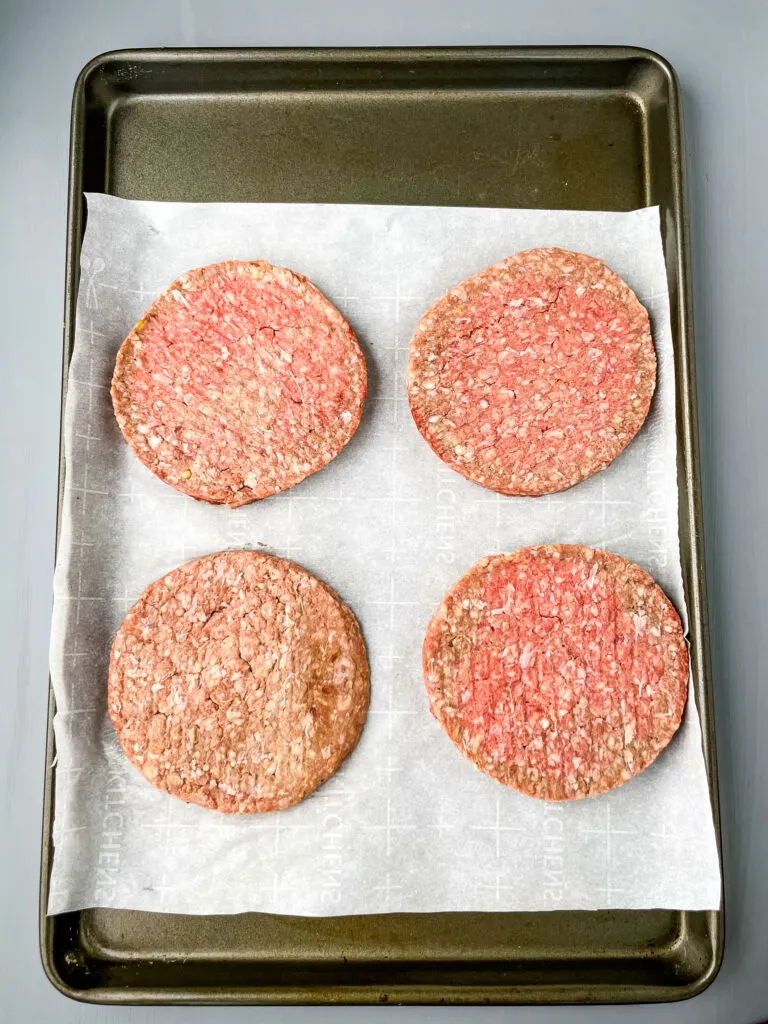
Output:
[[238, 682], [559, 670], [238, 382], [533, 374]]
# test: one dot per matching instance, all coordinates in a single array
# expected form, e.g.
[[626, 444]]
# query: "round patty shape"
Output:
[[558, 670], [534, 374], [239, 381], [238, 682]]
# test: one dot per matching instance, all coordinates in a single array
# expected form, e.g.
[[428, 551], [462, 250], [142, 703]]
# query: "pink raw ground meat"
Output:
[[239, 381], [533, 374], [239, 682], [559, 670]]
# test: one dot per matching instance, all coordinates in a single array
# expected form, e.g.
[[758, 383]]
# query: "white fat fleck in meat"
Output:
[[528, 656]]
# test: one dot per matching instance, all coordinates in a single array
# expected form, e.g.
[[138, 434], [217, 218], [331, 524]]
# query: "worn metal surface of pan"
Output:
[[578, 128]]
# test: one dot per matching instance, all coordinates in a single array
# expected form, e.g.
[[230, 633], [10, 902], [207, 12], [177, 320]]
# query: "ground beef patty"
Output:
[[560, 671], [239, 682], [533, 374], [239, 381]]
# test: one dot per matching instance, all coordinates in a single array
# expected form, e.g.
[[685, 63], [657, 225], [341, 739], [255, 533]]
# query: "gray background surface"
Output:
[[720, 50]]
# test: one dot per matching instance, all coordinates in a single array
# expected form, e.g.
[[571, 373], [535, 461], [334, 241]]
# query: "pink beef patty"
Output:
[[239, 381], [534, 374], [238, 682], [560, 671]]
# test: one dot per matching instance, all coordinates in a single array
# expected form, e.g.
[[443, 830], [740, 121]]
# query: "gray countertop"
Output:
[[720, 51]]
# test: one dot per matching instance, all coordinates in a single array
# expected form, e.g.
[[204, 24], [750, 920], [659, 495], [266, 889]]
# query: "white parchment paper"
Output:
[[408, 824]]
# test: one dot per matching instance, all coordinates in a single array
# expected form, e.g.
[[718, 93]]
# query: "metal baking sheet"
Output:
[[574, 128]]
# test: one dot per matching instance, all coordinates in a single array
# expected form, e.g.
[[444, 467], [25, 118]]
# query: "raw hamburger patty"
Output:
[[240, 380], [560, 671], [239, 682], [533, 374]]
